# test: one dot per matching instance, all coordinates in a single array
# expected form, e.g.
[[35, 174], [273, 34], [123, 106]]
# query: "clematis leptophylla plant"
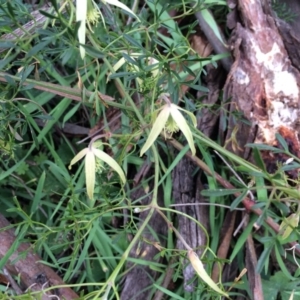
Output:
[[148, 61], [200, 270], [171, 120], [91, 153], [87, 11]]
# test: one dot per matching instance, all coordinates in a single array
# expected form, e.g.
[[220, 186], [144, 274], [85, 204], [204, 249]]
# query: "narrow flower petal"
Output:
[[111, 162], [158, 125], [78, 157], [288, 224], [155, 70], [184, 127], [191, 115], [90, 169], [121, 5], [199, 268], [81, 13], [117, 66]]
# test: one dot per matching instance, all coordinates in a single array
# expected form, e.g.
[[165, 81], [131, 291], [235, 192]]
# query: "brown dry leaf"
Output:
[[105, 97], [157, 246], [3, 279], [201, 46]]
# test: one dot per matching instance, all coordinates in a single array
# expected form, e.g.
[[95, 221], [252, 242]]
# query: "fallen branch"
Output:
[[34, 275], [38, 21]]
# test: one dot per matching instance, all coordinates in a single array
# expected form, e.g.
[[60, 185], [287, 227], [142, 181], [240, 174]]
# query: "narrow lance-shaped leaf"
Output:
[[111, 162], [212, 23], [183, 126], [78, 157], [90, 168], [15, 133], [158, 126], [199, 268]]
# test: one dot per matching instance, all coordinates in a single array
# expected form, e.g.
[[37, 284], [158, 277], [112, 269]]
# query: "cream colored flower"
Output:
[[91, 153], [170, 115], [87, 11]]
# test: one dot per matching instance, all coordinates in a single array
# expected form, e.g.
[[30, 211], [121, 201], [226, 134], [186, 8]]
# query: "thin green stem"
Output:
[[127, 96], [156, 176], [116, 271]]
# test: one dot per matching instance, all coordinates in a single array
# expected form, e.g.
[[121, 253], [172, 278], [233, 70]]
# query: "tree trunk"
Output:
[[263, 83]]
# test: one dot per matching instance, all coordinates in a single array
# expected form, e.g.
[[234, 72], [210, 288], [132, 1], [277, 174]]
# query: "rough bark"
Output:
[[262, 84], [186, 194], [23, 262], [140, 277]]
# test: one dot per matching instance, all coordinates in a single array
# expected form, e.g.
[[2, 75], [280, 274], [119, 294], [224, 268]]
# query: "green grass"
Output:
[[44, 78]]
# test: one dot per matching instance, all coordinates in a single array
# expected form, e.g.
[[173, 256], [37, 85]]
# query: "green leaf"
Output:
[[7, 45], [265, 147], [281, 284], [264, 257], [282, 142], [281, 263], [220, 192], [168, 22], [241, 242], [168, 292], [220, 2], [34, 50], [258, 159], [132, 41], [93, 52], [238, 200], [261, 190], [207, 16], [10, 10], [129, 59], [38, 193], [54, 4], [48, 15], [70, 113]]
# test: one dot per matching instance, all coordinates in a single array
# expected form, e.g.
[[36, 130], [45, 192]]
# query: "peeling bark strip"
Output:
[[262, 81]]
